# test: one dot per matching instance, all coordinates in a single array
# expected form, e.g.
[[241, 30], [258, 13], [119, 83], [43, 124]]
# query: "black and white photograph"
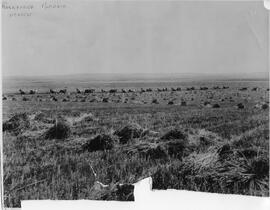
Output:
[[99, 95]]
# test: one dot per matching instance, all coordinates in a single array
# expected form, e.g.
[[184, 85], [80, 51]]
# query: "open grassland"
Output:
[[61, 149]]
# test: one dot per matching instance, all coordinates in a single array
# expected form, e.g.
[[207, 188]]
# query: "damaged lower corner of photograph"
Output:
[[146, 198], [135, 104]]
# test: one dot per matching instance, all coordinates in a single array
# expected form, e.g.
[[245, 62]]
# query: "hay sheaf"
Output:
[[146, 150], [176, 148], [100, 143], [129, 132], [60, 130], [17, 123], [154, 152], [174, 134]]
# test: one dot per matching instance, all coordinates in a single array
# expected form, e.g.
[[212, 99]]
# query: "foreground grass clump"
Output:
[[219, 169], [210, 175]]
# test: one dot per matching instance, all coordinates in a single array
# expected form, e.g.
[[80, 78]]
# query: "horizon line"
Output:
[[244, 74]]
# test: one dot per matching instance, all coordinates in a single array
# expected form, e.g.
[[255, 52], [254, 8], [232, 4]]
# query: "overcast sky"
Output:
[[137, 37]]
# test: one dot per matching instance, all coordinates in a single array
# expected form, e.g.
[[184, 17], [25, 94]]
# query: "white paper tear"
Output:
[[146, 198]]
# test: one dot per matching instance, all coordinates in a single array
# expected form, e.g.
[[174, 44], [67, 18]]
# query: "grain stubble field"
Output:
[[203, 136]]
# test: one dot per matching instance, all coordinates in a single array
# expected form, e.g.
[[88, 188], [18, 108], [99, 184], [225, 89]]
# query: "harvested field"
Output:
[[83, 148]]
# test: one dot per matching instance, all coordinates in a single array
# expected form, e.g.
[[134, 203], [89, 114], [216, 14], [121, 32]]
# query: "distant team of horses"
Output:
[[142, 90]]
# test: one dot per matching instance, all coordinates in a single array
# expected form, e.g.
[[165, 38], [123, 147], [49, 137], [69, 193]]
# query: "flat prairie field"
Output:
[[74, 144]]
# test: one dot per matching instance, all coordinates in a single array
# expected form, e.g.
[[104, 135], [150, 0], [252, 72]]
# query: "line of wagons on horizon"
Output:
[[142, 90]]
